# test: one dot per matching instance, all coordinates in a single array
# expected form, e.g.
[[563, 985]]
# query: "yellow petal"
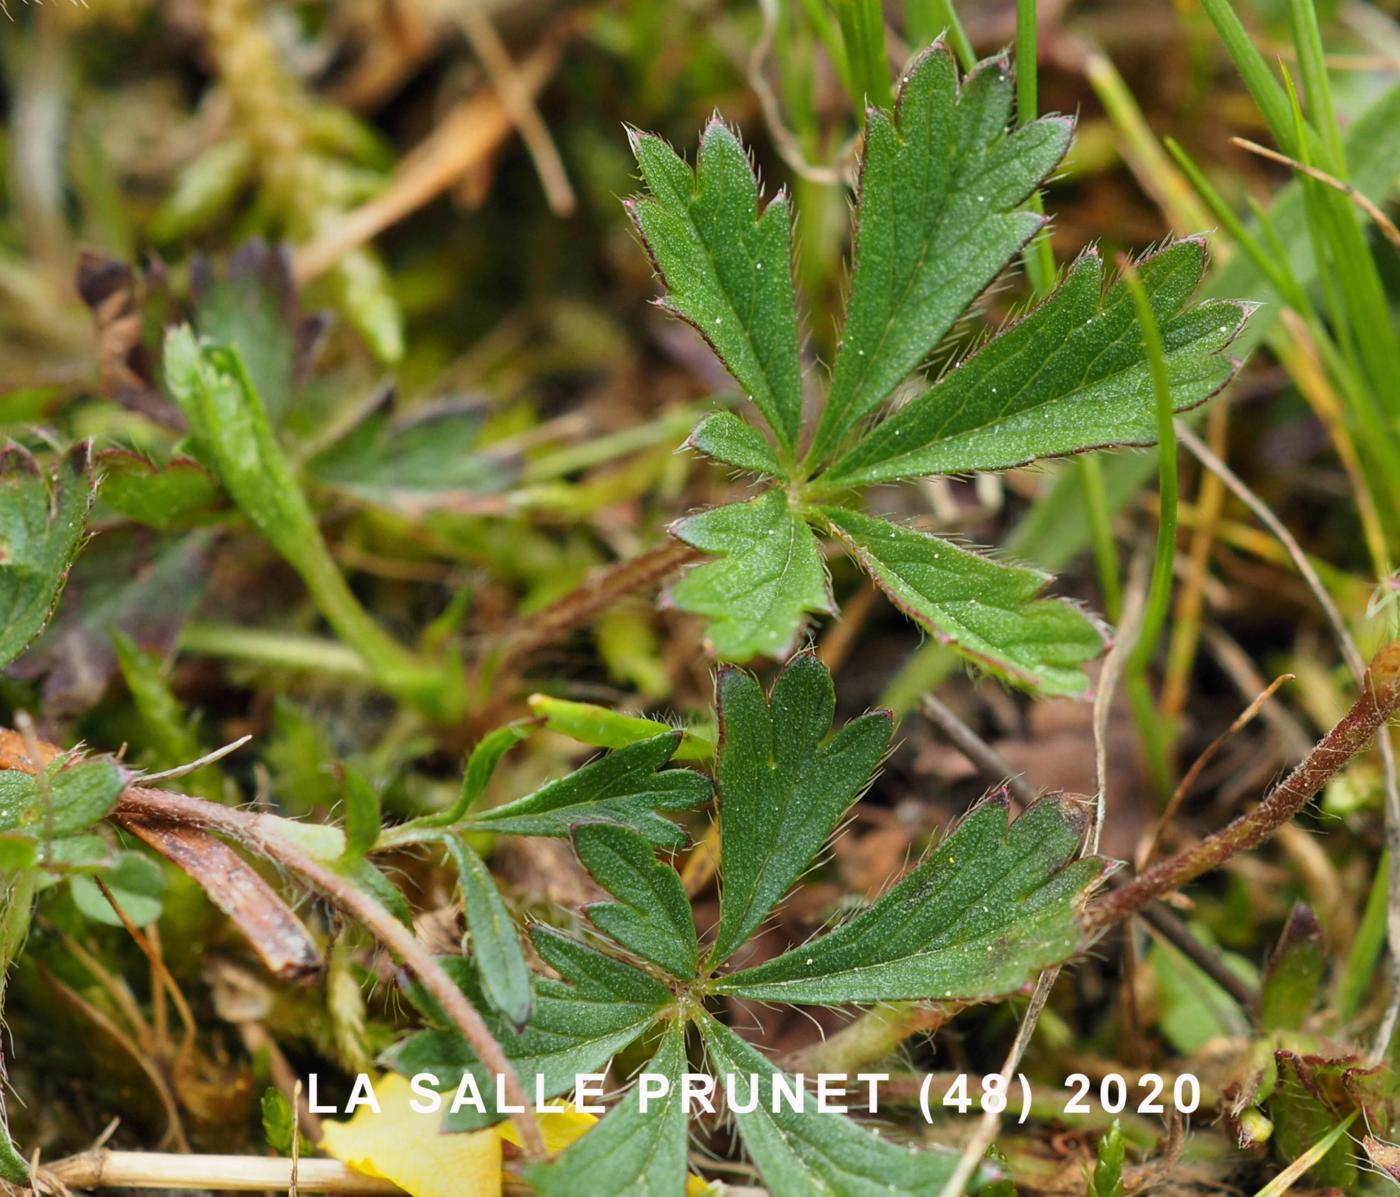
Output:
[[557, 1128], [408, 1148]]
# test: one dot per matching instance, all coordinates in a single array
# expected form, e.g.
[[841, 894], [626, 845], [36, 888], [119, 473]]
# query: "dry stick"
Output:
[[990, 763], [596, 594], [1382, 221], [1390, 779], [1183, 787], [463, 140], [140, 805], [1379, 698], [518, 99], [230, 1173], [989, 1124]]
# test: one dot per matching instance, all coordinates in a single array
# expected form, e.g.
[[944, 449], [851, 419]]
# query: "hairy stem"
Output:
[[1380, 696], [259, 833]]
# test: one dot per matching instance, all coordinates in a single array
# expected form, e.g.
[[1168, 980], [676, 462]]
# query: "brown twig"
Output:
[[1390, 774], [227, 1173], [988, 761], [1183, 787], [260, 833], [597, 593], [1382, 221], [1379, 698], [464, 139], [517, 97]]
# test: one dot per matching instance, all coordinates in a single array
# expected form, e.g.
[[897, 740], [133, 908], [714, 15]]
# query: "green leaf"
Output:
[[811, 1153], [500, 962], [622, 788], [278, 1121], [481, 765], [981, 915], [230, 427], [251, 307], [784, 781], [361, 814], [1108, 1168], [1293, 978], [577, 1026], [66, 799], [41, 521], [984, 609], [1071, 375], [938, 218], [769, 576], [425, 460], [736, 442], [13, 1166], [203, 190], [173, 495], [137, 884], [602, 727], [727, 265], [632, 1152], [652, 917]]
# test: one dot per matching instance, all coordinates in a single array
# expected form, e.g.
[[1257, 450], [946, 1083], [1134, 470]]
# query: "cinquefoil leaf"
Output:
[[727, 265], [769, 576], [577, 1024], [622, 788], [1072, 375], [68, 798], [41, 521], [728, 439], [939, 217], [983, 913], [985, 610], [807, 1153], [629, 1153], [505, 978], [784, 783], [652, 917]]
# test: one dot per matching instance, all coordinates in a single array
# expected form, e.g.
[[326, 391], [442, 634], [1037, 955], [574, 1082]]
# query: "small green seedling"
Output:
[[943, 207], [988, 908]]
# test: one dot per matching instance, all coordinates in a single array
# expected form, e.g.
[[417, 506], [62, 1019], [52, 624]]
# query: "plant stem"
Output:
[[1101, 534], [260, 833], [1378, 701], [1159, 591], [285, 650], [940, 14], [103, 1169]]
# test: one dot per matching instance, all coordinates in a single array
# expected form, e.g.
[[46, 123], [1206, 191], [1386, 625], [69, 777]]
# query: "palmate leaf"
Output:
[[982, 914], [629, 1153], [1072, 375], [41, 522], [505, 978], [938, 218], [809, 1153], [68, 798], [767, 579], [576, 1027], [652, 917], [733, 441], [727, 265], [985, 610], [784, 782], [622, 788]]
